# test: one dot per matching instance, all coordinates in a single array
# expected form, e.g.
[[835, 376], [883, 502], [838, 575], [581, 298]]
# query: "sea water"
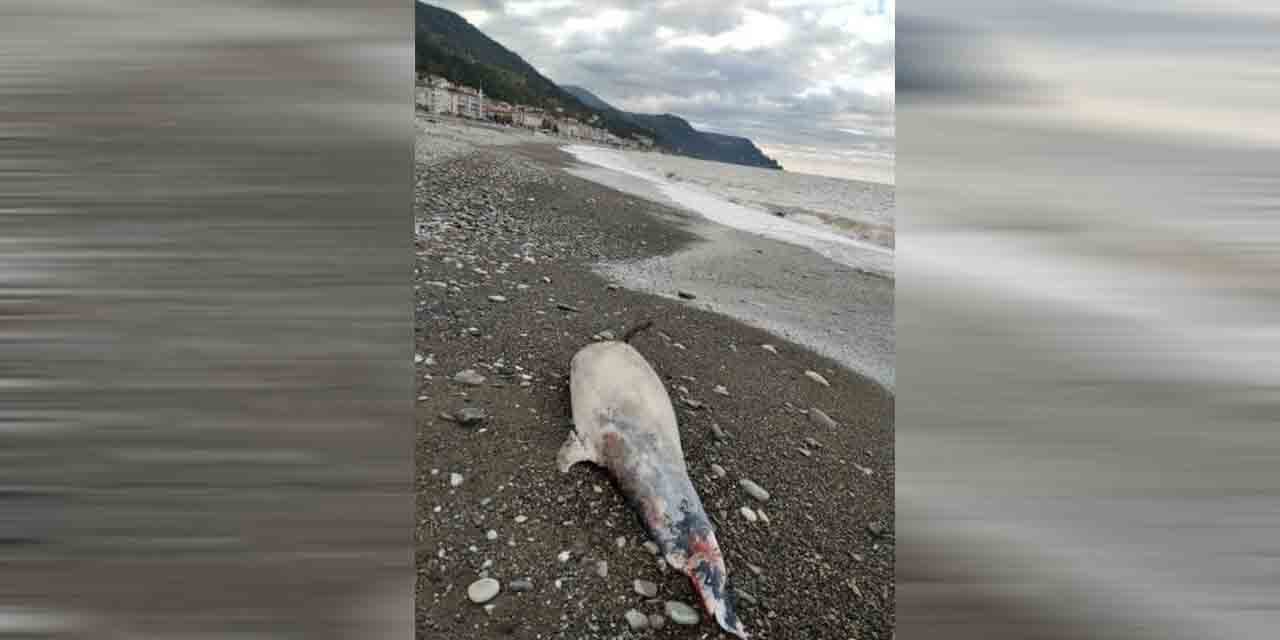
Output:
[[707, 197]]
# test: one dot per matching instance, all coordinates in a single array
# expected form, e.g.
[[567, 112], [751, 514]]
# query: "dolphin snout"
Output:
[[708, 575]]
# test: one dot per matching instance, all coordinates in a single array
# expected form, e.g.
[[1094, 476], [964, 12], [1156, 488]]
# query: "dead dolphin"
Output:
[[624, 422]]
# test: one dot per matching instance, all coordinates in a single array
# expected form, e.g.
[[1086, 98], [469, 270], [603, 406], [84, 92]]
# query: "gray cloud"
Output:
[[806, 78]]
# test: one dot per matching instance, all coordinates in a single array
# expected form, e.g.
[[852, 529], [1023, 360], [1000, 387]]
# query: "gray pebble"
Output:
[[717, 470], [602, 568], [497, 299], [646, 588], [821, 419], [754, 490], [470, 415], [718, 432], [687, 295], [817, 377], [656, 621], [636, 620], [483, 590], [681, 613], [469, 377], [651, 547], [520, 584]]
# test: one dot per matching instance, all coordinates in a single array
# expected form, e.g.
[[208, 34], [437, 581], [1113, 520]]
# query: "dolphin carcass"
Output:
[[624, 422]]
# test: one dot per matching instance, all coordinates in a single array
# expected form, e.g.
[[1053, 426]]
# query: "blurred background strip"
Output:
[[205, 376], [1088, 315]]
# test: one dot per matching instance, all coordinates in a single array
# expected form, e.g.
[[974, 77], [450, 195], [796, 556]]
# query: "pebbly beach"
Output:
[[777, 360]]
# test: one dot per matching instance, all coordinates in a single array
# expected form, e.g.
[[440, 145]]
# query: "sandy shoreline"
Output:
[[790, 291], [508, 221]]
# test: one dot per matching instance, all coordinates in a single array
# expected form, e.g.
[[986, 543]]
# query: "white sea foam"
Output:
[[821, 238]]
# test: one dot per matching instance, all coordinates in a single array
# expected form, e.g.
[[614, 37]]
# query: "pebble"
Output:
[[483, 590], [651, 547], [646, 588], [621, 542], [718, 432], [469, 377], [602, 568], [817, 377], [754, 490], [681, 613], [636, 620], [687, 295], [748, 514], [821, 419], [497, 299], [455, 479], [745, 596], [564, 556], [656, 621], [474, 331], [718, 471], [566, 307], [470, 415], [520, 584], [770, 348], [521, 519], [491, 535], [813, 443], [720, 389], [418, 359], [606, 335], [876, 529], [805, 452]]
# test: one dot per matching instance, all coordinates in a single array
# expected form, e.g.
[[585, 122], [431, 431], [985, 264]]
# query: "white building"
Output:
[[435, 96], [468, 103]]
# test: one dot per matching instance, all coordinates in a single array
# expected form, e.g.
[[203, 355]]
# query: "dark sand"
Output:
[[822, 572]]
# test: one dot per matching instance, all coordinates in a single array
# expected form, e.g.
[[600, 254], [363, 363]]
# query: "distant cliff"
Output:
[[675, 134]]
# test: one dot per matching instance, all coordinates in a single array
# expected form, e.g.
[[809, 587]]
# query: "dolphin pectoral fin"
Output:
[[572, 452]]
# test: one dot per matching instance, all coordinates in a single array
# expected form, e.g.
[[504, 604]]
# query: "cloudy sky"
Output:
[[810, 81]]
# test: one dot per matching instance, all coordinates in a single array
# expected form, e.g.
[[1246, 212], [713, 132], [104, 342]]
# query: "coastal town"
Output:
[[436, 95]]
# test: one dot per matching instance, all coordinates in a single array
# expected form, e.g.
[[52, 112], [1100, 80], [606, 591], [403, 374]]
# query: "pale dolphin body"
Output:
[[624, 422]]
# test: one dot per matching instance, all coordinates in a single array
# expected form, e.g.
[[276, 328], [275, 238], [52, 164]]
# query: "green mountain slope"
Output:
[[448, 45]]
